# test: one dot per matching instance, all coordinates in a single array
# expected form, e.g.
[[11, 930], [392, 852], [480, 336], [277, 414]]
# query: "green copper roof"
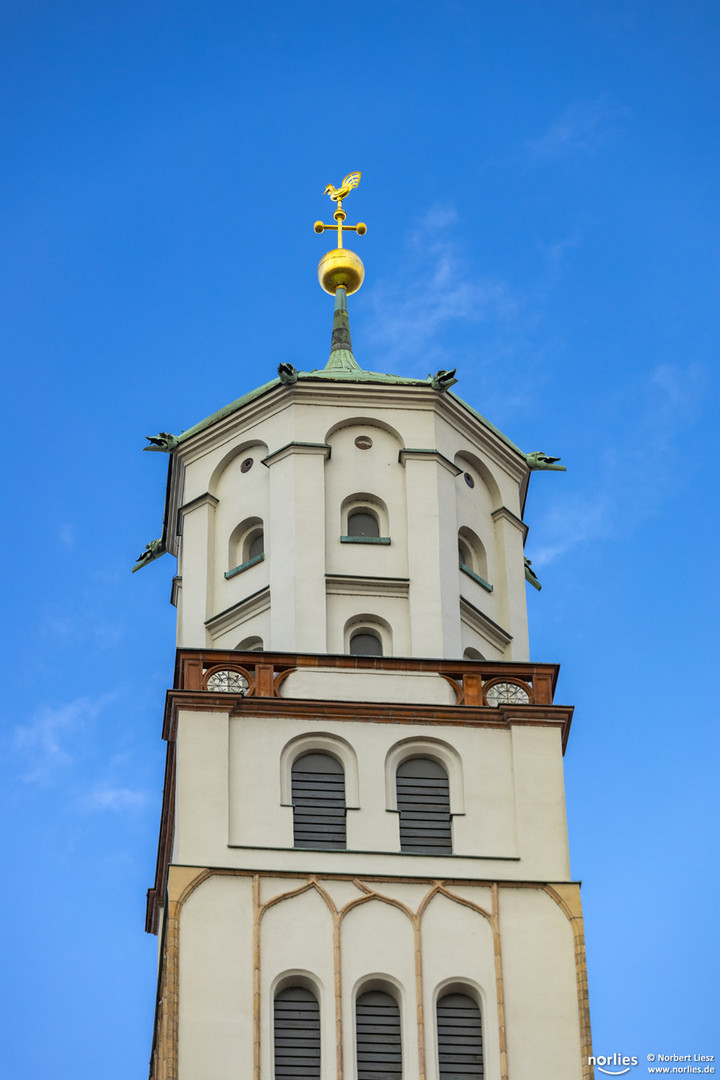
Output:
[[341, 367], [344, 374]]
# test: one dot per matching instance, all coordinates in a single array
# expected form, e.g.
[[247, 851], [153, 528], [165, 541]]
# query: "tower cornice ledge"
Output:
[[409, 452], [503, 513], [382, 391], [297, 448]]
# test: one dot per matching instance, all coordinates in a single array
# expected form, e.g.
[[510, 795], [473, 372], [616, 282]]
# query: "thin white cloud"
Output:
[[48, 741], [66, 535], [583, 128], [564, 526], [87, 622], [106, 797], [434, 288], [636, 464]]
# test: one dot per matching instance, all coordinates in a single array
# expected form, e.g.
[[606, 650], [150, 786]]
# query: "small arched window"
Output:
[[472, 654], [472, 557], [246, 546], [363, 522], [364, 519], [465, 554], [297, 1034], [366, 643], [459, 1029], [379, 1041], [423, 802], [254, 544], [318, 798], [250, 644]]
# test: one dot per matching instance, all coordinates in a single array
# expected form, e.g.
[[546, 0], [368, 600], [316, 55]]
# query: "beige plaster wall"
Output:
[[540, 987], [215, 988], [513, 954], [233, 806]]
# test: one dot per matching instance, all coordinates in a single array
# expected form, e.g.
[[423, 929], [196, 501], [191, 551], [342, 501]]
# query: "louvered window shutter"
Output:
[[379, 1045], [423, 799], [318, 795], [297, 1035], [459, 1038]]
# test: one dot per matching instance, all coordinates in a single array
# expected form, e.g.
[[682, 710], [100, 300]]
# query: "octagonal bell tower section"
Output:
[[392, 508]]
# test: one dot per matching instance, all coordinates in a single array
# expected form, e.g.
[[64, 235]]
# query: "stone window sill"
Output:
[[364, 539], [476, 577], [244, 566]]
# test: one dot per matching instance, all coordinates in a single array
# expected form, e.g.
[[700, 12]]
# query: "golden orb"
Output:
[[340, 267], [318, 226]]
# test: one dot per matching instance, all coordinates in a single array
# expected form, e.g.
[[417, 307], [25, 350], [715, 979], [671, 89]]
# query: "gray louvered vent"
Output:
[[297, 1035], [423, 799], [318, 795], [459, 1038], [379, 1046]]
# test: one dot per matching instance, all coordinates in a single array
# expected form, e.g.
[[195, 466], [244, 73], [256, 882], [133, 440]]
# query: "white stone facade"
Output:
[[307, 474], [248, 912]]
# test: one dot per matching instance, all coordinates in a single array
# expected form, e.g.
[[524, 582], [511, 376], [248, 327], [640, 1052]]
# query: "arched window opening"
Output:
[[465, 554], [297, 1034], [379, 1042], [472, 557], [472, 654], [423, 801], [318, 798], [250, 644], [254, 544], [365, 643], [364, 519], [363, 522], [459, 1028], [246, 546]]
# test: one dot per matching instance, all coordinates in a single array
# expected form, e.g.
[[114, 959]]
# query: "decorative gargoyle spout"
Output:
[[531, 576], [288, 374], [163, 442], [443, 380], [538, 459], [152, 551]]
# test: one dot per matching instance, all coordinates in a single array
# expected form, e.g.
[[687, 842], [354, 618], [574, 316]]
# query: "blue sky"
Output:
[[539, 183]]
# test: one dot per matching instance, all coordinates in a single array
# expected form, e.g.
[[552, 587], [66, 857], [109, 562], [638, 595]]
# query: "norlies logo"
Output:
[[613, 1059]]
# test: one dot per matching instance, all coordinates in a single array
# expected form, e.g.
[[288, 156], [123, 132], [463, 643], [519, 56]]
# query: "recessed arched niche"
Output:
[[472, 554], [477, 480], [365, 496], [240, 468]]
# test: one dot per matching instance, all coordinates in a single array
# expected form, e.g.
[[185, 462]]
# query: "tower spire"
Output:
[[341, 272], [341, 354]]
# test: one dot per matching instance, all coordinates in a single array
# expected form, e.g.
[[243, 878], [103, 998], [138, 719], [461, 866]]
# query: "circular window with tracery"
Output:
[[507, 693], [228, 682]]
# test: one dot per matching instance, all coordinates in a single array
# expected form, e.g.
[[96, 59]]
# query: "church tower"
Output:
[[363, 868]]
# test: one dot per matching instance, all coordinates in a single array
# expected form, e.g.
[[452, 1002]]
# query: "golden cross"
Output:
[[337, 195]]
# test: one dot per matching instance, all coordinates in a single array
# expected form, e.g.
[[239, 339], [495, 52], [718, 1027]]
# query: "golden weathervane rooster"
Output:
[[338, 194]]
